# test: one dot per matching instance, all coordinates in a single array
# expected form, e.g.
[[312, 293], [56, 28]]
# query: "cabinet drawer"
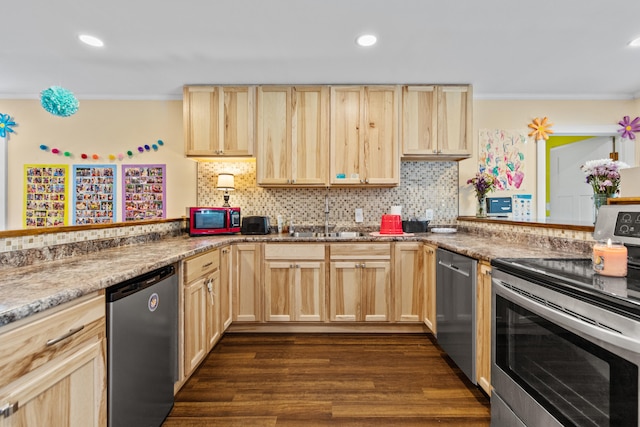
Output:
[[200, 265], [360, 251], [29, 346], [294, 251]]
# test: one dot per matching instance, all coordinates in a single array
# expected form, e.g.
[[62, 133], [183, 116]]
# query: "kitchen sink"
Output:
[[339, 235]]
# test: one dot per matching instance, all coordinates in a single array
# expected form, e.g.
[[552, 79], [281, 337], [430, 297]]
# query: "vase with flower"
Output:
[[604, 177], [482, 183]]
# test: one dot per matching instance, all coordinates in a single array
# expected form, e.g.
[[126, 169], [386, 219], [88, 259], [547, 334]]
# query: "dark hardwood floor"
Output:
[[328, 380]]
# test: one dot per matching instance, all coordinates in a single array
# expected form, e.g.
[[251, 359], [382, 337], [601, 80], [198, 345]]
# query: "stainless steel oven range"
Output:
[[566, 341]]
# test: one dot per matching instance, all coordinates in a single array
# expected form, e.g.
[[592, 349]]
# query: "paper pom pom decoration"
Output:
[[6, 125], [629, 127], [541, 129], [59, 101]]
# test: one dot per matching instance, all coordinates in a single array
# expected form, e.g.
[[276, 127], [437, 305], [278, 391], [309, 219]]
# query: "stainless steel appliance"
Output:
[[142, 343], [456, 309], [566, 341]]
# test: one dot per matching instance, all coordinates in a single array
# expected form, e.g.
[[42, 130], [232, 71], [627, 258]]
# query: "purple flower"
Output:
[[603, 175], [482, 183], [629, 127]]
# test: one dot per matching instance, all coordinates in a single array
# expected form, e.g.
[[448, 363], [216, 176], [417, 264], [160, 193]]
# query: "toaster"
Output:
[[255, 225]]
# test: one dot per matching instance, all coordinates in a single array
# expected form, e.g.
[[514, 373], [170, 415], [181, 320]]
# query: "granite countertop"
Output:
[[28, 290]]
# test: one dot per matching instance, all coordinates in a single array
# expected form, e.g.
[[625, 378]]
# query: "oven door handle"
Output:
[[567, 321]]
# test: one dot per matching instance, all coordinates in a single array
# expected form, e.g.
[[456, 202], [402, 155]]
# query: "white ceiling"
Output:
[[556, 49]]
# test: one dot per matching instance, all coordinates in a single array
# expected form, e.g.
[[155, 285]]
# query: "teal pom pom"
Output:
[[59, 101]]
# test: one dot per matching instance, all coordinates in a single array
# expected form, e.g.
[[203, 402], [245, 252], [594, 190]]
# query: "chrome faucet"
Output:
[[326, 213]]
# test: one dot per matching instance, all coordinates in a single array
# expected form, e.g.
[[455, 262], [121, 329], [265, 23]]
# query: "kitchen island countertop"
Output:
[[31, 289]]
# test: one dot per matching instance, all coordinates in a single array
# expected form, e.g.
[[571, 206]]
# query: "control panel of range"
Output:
[[628, 224]]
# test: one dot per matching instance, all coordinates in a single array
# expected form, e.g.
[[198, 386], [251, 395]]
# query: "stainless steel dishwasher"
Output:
[[456, 309], [142, 356]]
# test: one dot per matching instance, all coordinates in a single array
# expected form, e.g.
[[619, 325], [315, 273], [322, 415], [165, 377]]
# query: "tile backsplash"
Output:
[[423, 185]]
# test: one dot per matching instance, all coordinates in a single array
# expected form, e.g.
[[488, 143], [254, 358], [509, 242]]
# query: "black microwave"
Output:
[[205, 221]]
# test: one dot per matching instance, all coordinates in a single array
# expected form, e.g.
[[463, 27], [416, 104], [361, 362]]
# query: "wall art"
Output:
[[94, 193], [143, 192], [502, 155], [45, 189]]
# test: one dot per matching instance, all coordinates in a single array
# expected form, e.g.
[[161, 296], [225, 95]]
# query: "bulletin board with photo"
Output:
[[45, 189], [94, 193], [143, 192]]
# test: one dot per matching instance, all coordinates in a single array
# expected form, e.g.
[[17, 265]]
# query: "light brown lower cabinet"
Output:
[[225, 287], [360, 282], [483, 327], [294, 282], [247, 282], [52, 367], [408, 272], [202, 326], [430, 287]]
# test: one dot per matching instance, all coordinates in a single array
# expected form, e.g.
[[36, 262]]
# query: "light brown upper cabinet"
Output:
[[436, 122], [292, 135], [365, 135], [219, 120]]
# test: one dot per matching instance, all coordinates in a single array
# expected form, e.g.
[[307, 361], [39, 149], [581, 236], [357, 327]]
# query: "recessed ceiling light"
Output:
[[366, 40], [635, 42], [91, 40]]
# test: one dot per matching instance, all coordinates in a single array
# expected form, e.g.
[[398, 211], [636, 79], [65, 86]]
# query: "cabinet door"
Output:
[[454, 120], [274, 135], [380, 148], [376, 289], [225, 287], [483, 325], [218, 120], [409, 282], [247, 297], [201, 106], [419, 120], [430, 287], [310, 135], [309, 291], [237, 121], [65, 391], [195, 323], [344, 291], [213, 309], [279, 277], [347, 135]]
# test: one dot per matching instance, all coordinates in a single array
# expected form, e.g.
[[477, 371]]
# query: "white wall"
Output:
[[101, 127]]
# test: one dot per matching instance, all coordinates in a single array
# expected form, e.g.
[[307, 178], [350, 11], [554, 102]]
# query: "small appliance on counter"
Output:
[[500, 207], [415, 226], [207, 221], [255, 225]]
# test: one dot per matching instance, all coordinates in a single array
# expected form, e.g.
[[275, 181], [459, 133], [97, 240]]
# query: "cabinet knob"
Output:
[[366, 180], [363, 265]]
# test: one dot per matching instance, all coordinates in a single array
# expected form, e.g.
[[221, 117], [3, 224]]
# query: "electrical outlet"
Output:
[[359, 215], [428, 215]]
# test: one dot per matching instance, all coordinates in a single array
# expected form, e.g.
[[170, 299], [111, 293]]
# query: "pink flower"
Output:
[[629, 127]]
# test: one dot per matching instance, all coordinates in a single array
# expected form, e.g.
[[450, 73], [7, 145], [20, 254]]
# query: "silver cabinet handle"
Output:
[[9, 409], [65, 336]]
